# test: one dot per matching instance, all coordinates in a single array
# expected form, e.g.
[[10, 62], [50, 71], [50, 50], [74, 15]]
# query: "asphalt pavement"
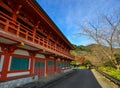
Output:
[[83, 78]]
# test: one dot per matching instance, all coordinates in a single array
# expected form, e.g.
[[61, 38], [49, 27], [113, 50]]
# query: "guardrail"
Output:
[[116, 81]]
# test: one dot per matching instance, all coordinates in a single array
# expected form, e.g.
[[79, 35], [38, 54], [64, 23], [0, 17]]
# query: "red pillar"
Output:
[[7, 52], [46, 65], [55, 66], [69, 63], [32, 62], [60, 64], [65, 64], [5, 66]]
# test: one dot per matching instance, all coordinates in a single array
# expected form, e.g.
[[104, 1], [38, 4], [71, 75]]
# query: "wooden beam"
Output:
[[2, 4]]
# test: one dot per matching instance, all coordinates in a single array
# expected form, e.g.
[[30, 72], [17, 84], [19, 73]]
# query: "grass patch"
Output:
[[111, 71], [82, 67]]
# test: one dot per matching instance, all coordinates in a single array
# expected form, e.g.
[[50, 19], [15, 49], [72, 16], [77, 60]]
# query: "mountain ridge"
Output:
[[93, 53]]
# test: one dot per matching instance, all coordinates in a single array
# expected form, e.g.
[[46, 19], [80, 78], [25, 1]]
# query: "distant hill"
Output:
[[92, 53]]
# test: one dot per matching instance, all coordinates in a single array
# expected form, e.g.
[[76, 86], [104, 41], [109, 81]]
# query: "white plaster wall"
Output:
[[1, 62], [10, 63], [21, 52], [40, 56], [58, 59], [17, 74], [51, 57]]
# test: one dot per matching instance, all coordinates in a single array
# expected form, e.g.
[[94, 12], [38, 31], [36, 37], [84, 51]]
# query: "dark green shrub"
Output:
[[109, 64]]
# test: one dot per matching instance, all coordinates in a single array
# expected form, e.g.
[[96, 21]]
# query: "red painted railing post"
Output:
[[7, 24], [18, 30]]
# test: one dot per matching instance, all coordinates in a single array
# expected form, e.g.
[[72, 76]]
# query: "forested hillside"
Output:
[[93, 53]]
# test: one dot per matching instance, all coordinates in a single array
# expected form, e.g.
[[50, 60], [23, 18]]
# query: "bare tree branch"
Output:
[[107, 36]]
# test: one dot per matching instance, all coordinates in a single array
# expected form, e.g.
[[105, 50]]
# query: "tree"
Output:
[[87, 63], [73, 63], [105, 33], [117, 57], [109, 64]]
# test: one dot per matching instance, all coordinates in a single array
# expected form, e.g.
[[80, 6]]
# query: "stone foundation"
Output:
[[17, 82]]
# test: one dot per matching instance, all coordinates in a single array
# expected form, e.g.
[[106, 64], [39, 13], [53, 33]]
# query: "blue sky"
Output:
[[69, 14]]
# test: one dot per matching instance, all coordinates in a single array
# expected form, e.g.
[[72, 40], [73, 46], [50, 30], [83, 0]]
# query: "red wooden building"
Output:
[[31, 45]]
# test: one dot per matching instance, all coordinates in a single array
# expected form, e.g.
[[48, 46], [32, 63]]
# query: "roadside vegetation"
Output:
[[105, 53], [111, 71], [110, 68], [94, 51]]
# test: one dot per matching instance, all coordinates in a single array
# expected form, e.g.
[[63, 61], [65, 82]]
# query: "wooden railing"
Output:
[[8, 25]]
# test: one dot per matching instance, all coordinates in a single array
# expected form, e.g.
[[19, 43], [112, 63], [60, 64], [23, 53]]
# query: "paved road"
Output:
[[82, 79]]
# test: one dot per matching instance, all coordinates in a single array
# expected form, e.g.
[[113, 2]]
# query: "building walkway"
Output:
[[44, 81]]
